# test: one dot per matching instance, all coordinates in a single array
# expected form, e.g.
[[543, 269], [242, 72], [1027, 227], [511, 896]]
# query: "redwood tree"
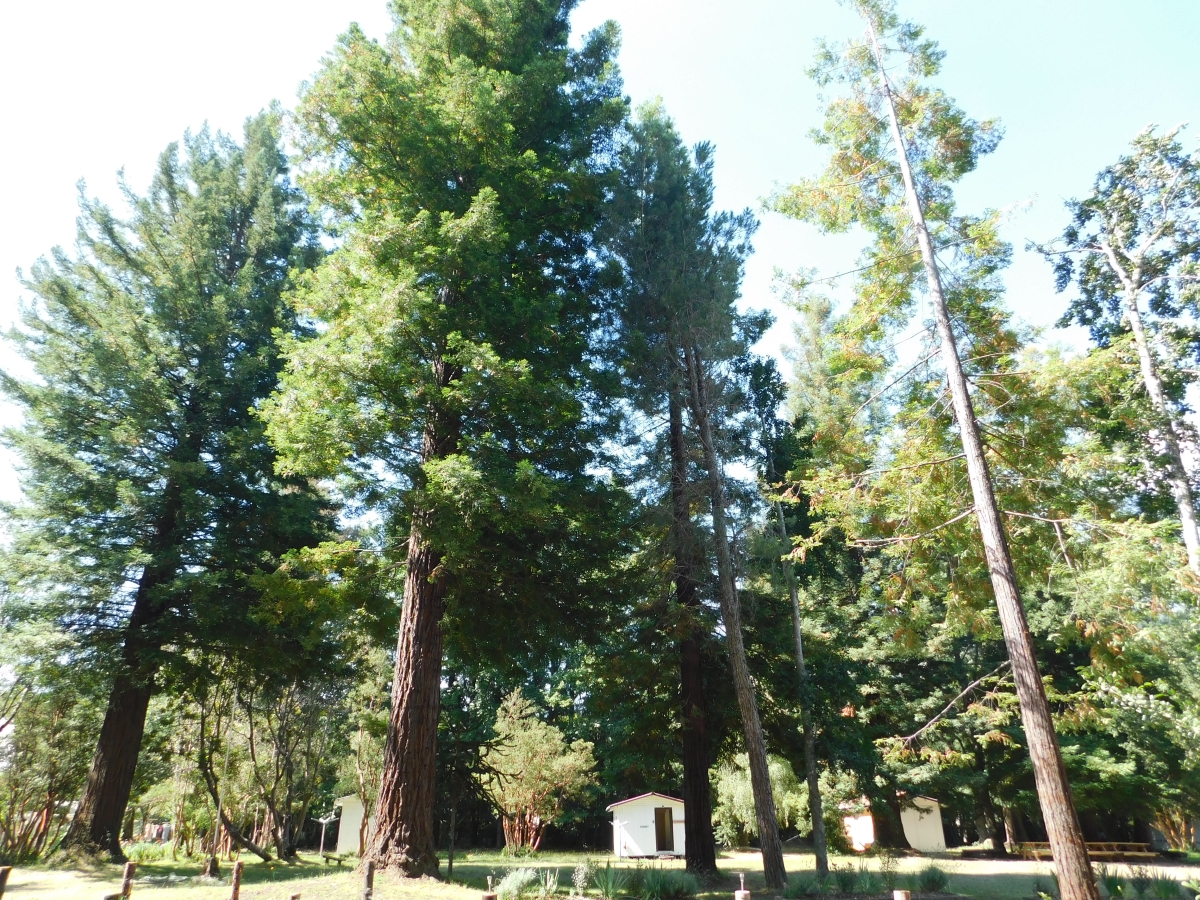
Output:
[[463, 164], [150, 497]]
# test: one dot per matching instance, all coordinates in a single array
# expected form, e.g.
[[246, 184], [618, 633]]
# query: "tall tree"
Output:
[[1133, 249], [879, 187], [463, 163], [683, 269], [151, 498]]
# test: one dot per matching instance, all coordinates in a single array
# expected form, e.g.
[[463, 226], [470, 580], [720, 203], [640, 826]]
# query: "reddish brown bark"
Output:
[[404, 838], [699, 841]]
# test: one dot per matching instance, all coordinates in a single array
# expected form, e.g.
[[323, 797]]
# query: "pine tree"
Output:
[[150, 496], [683, 266], [464, 164]]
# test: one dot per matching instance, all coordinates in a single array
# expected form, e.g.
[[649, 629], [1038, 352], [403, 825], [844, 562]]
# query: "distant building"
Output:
[[922, 824], [648, 825]]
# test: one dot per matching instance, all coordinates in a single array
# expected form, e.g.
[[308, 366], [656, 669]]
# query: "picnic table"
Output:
[[1098, 851]]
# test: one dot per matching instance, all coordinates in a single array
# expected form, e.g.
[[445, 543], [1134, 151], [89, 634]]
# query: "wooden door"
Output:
[[664, 830]]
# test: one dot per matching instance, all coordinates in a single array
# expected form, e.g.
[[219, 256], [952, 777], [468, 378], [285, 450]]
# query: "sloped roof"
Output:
[[613, 806]]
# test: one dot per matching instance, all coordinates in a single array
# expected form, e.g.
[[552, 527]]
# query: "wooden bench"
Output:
[[338, 858], [1098, 851]]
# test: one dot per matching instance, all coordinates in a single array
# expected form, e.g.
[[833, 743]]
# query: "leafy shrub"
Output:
[[932, 880], [889, 870], [608, 881], [799, 886], [654, 884], [868, 881], [146, 851], [581, 877], [846, 879], [548, 884], [1140, 880], [1111, 882], [517, 883], [1164, 886]]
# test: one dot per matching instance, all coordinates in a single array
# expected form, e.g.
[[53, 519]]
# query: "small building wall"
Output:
[[349, 824], [922, 825], [633, 826]]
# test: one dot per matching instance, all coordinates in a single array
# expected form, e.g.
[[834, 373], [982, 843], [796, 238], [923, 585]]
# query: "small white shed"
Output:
[[648, 825], [348, 826], [922, 824]]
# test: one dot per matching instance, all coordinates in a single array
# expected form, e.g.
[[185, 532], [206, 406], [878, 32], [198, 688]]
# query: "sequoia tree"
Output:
[[896, 152], [150, 497], [463, 163]]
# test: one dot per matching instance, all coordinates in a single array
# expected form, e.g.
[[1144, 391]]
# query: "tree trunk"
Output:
[[403, 837], [815, 810], [1177, 477], [98, 821], [1054, 792], [756, 747], [699, 841]]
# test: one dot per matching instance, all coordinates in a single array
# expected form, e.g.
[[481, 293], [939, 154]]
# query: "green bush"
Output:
[[517, 883], [932, 880], [846, 879], [609, 882], [658, 883], [1111, 882], [1164, 886], [146, 851], [1140, 880], [799, 886]]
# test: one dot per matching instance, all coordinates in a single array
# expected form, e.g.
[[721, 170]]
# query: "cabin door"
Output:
[[664, 830]]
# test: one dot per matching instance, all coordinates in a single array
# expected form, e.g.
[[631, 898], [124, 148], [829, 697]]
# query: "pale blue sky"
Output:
[[87, 88]]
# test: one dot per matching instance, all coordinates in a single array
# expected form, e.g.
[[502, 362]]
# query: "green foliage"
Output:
[[800, 886], [932, 880], [609, 882], [1110, 881], [845, 877], [518, 883], [658, 883], [146, 851], [1164, 886], [1141, 880], [533, 771]]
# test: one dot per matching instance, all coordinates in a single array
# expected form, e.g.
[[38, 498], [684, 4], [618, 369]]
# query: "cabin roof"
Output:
[[613, 806]]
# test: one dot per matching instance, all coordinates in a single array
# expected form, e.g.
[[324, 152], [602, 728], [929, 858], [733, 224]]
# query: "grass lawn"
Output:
[[167, 880]]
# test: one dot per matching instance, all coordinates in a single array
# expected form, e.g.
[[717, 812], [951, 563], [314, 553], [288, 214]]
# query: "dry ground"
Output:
[[165, 880]]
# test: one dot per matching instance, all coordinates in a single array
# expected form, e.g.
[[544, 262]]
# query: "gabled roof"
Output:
[[613, 806]]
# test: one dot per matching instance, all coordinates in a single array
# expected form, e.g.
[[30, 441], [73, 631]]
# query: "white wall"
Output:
[[923, 826], [352, 813], [633, 827]]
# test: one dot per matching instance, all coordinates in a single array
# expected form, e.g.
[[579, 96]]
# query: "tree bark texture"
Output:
[[756, 747], [1054, 791], [699, 841], [100, 816], [403, 837]]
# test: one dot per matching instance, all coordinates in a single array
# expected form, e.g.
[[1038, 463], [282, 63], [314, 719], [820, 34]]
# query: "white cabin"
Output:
[[648, 825]]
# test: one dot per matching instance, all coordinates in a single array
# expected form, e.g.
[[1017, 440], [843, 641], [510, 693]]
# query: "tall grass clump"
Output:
[[608, 882]]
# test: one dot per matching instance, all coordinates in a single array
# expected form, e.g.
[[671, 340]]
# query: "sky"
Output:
[[87, 89]]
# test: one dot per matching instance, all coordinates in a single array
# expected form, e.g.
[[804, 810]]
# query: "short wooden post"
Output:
[[127, 879], [294, 897], [901, 895], [741, 894], [5, 871], [236, 891], [368, 891]]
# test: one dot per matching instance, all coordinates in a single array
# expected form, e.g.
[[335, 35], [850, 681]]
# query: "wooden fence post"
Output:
[[236, 891], [368, 891], [127, 879], [5, 871]]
